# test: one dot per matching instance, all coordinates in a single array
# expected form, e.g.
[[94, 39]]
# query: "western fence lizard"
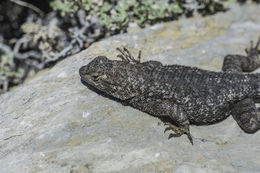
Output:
[[186, 95]]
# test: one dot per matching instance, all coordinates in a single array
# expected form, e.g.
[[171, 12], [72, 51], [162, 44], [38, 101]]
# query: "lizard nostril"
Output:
[[82, 70], [85, 70]]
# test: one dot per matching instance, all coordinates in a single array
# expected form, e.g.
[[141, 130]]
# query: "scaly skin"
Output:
[[187, 95]]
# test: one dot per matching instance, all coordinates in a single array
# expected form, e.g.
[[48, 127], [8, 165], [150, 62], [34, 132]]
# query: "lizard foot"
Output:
[[253, 50], [126, 55], [178, 131]]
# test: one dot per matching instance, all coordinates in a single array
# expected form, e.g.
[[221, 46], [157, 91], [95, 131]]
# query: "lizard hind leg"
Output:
[[244, 111], [247, 115]]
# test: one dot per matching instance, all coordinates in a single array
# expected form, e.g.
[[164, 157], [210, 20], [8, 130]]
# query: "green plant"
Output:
[[8, 72], [115, 15]]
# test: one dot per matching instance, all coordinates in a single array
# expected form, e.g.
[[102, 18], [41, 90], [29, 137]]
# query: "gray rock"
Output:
[[53, 123]]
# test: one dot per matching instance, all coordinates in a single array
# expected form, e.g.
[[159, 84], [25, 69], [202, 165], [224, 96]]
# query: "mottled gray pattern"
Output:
[[187, 95]]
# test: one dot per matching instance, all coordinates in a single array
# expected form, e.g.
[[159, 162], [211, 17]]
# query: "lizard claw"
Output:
[[178, 131], [253, 49], [174, 135], [126, 56], [171, 127], [190, 138], [167, 129]]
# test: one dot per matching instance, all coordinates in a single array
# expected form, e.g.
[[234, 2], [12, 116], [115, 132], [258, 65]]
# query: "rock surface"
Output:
[[53, 123]]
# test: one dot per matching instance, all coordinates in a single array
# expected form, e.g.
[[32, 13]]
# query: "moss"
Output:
[[6, 67], [115, 15], [8, 72], [65, 6]]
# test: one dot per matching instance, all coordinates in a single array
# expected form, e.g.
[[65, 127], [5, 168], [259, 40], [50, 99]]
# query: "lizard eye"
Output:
[[97, 76]]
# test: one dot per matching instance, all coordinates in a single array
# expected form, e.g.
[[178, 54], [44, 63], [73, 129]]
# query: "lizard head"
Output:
[[110, 77]]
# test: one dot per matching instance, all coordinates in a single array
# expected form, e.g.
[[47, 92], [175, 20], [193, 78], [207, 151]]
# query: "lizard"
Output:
[[185, 95]]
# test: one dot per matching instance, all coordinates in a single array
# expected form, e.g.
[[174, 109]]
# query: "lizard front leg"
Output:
[[245, 112], [165, 108]]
